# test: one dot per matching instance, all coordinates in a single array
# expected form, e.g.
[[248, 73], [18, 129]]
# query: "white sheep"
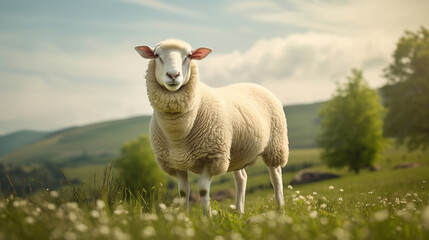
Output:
[[210, 131]]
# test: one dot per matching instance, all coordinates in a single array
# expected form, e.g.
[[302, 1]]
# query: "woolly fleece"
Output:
[[224, 128]]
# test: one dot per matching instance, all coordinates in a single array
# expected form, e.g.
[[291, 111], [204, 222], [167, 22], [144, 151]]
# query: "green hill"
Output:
[[303, 124], [100, 142], [13, 141]]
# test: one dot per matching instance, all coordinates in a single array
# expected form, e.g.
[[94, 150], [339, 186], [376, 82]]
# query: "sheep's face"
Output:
[[172, 62]]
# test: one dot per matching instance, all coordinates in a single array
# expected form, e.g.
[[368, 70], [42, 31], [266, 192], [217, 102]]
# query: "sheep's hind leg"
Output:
[[184, 188], [240, 179], [277, 182], [204, 190]]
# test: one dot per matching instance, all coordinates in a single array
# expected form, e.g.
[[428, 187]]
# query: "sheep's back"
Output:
[[254, 113]]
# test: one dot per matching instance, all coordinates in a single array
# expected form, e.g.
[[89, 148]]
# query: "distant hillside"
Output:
[[98, 142], [303, 124], [101, 142], [13, 141]]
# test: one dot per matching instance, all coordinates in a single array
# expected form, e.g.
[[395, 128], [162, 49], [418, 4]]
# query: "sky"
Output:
[[71, 63]]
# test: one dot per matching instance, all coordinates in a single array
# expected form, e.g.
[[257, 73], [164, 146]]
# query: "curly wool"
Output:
[[225, 129]]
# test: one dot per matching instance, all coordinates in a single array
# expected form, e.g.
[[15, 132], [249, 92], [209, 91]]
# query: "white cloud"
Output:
[[347, 17], [301, 67]]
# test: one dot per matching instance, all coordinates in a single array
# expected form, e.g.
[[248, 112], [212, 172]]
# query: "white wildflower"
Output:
[[314, 193], [181, 217], [257, 219], [290, 187], [72, 205], [285, 219], [301, 197], [232, 207], [162, 206], [404, 214], [29, 220], [341, 234], [148, 232], [104, 230], [20, 203], [72, 216], [54, 194], [81, 227], [313, 214], [381, 215], [341, 190], [120, 210], [324, 221], [95, 214], [271, 215], [307, 202], [331, 187], [190, 232], [215, 212], [322, 206], [340, 199], [179, 201], [297, 191], [100, 204], [51, 206]]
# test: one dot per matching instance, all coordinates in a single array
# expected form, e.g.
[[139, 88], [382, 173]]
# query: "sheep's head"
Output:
[[172, 61]]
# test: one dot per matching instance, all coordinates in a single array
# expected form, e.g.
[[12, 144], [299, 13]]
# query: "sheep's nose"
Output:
[[173, 75]]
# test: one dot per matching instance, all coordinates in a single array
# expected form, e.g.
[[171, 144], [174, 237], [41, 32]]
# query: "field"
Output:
[[387, 204]]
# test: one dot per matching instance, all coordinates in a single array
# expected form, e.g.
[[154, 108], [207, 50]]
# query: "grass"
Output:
[[357, 207], [387, 204]]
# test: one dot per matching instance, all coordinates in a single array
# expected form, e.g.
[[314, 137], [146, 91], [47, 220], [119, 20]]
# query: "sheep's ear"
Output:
[[145, 52], [200, 53]]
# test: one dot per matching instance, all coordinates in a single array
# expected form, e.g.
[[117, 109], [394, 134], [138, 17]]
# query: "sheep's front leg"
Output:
[[184, 188], [277, 182], [240, 179], [204, 190]]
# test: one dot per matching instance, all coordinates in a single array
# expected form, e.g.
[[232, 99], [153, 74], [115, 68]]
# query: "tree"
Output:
[[137, 166], [406, 94], [351, 125]]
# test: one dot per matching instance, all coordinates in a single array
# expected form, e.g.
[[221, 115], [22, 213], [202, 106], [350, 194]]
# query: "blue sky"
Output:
[[66, 63]]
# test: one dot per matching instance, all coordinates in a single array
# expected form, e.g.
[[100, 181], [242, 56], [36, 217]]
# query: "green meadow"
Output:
[[385, 204]]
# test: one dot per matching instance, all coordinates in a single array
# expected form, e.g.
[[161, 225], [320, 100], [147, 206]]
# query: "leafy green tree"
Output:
[[137, 166], [351, 125], [406, 94]]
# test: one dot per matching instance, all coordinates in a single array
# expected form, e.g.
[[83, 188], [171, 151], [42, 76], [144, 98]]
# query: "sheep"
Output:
[[210, 131]]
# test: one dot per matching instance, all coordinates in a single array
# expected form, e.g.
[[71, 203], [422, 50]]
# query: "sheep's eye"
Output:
[[158, 57]]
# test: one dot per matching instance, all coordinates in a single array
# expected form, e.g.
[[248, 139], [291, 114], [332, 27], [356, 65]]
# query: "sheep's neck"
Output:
[[176, 126]]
